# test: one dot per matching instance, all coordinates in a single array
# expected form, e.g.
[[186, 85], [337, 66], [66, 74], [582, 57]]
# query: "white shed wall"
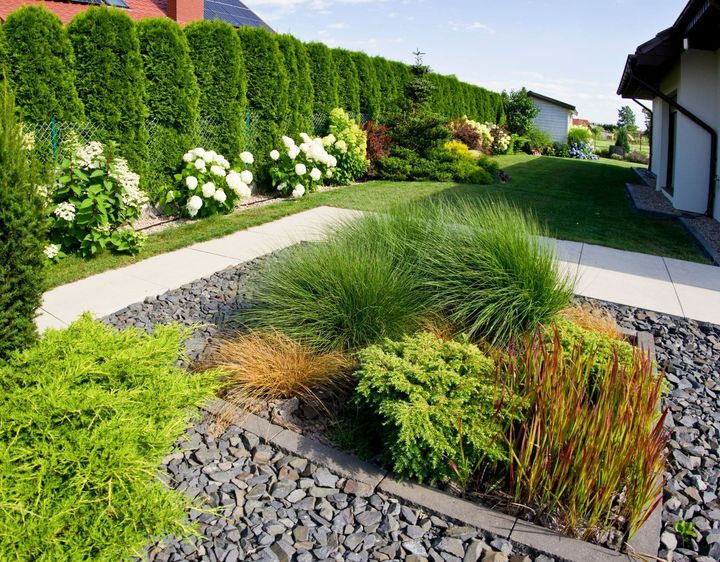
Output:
[[553, 119]]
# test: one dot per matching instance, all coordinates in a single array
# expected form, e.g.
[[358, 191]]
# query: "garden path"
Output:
[[655, 283]]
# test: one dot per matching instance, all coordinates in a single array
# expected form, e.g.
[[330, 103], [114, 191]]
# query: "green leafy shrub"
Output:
[[172, 98], [577, 135], [622, 139], [436, 402], [347, 142], [40, 66], [267, 93], [349, 85], [300, 88], [207, 186], [370, 102], [217, 58], [520, 111], [94, 202], [593, 345], [88, 416], [324, 78], [109, 79], [538, 139], [22, 231]]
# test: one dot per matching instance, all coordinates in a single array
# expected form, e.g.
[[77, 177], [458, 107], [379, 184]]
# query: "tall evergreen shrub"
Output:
[[388, 88], [22, 235], [369, 86], [300, 89], [110, 81], [324, 78], [348, 81], [39, 62], [267, 94], [171, 97], [217, 58]]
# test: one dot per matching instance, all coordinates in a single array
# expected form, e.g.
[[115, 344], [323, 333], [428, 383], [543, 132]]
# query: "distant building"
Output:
[[555, 116], [182, 11], [581, 123], [679, 70]]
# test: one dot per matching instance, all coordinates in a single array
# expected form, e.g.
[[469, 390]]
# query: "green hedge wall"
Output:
[[300, 87], [348, 80], [171, 96], [267, 94], [109, 79], [39, 61], [325, 78], [370, 97], [217, 57]]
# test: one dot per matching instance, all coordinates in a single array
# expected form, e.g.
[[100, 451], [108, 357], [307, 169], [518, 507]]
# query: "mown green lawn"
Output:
[[577, 200]]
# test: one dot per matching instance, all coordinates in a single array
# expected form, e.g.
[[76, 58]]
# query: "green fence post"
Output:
[[54, 138]]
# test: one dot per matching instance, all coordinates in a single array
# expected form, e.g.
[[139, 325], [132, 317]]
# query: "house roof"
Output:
[[551, 100], [137, 9], [699, 24], [234, 12]]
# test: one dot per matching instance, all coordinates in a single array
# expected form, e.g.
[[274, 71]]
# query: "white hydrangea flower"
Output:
[[90, 156], [208, 189], [220, 196], [198, 152], [247, 157], [222, 161], [51, 251], [274, 155], [288, 142], [305, 137], [133, 196], [282, 186], [65, 211], [332, 162], [191, 182], [293, 152], [315, 174], [188, 157], [329, 174], [244, 191], [299, 191], [246, 177], [210, 156], [200, 165], [329, 140], [300, 169], [342, 146], [233, 180], [218, 171], [194, 204]]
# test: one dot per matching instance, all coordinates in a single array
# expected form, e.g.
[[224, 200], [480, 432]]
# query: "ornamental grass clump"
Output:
[[88, 415], [590, 459]]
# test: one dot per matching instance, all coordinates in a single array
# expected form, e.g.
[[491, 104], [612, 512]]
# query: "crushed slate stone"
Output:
[[690, 350]]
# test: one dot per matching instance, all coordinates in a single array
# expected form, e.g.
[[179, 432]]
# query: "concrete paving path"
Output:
[[661, 284]]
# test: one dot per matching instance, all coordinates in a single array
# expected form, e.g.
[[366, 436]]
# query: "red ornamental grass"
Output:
[[591, 447]]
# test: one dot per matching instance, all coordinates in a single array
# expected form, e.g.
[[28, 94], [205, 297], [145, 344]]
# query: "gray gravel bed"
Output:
[[690, 350]]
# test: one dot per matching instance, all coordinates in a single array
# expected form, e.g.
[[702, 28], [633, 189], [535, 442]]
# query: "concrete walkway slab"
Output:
[[178, 268], [698, 288]]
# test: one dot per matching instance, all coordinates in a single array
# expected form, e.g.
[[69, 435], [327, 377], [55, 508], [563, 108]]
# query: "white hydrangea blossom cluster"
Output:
[[300, 168], [208, 184], [90, 156], [133, 196], [65, 211], [52, 251]]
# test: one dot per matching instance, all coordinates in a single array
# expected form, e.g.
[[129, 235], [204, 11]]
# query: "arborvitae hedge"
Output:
[[348, 80], [22, 232], [369, 85], [40, 65], [300, 89], [171, 97], [324, 77], [110, 81], [267, 93], [220, 70]]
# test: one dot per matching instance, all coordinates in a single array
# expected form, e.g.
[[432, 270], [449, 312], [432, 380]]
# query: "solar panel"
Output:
[[117, 3], [233, 12]]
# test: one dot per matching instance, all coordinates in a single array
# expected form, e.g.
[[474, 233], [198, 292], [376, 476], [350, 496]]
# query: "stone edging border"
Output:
[[365, 479]]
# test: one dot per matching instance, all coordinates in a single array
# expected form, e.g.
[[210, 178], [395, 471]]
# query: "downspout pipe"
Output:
[[700, 123], [652, 128]]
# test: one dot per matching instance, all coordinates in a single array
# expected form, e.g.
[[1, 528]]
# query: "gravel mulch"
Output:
[[709, 229], [691, 351], [650, 200]]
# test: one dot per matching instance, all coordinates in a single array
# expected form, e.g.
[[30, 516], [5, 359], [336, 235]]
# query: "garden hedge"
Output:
[[370, 101], [171, 96], [109, 79], [220, 71], [348, 80], [22, 231], [267, 94], [325, 78], [40, 65], [299, 114]]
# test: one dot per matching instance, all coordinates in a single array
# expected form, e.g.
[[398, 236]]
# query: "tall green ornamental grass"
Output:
[[480, 266], [86, 417]]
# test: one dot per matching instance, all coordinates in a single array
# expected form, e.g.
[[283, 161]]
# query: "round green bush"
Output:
[[22, 231], [217, 58], [110, 81], [349, 90], [369, 86], [577, 135], [171, 97], [299, 114], [39, 62], [267, 94], [324, 79]]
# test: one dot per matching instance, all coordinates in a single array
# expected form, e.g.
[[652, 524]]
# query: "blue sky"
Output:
[[570, 50]]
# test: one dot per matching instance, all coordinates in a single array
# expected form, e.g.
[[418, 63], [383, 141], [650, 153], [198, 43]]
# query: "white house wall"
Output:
[[553, 119], [661, 115]]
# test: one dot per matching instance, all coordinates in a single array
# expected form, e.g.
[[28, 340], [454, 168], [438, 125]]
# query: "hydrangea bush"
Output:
[[348, 143], [93, 204], [582, 151], [208, 186], [300, 168]]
